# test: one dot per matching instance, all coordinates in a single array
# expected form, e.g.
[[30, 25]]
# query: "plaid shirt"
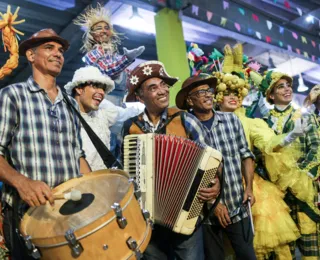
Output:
[[227, 136], [111, 65], [40, 139]]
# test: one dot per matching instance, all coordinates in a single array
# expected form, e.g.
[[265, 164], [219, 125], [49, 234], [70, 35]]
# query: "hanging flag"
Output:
[[223, 21], [289, 48], [298, 51], [281, 29], [275, 1], [306, 55], [225, 5], [319, 59], [313, 44], [287, 4], [209, 15], [238, 27], [250, 31], [241, 10], [294, 35], [269, 24], [280, 43], [268, 39], [258, 35], [195, 10], [299, 11], [255, 17], [304, 39], [313, 58]]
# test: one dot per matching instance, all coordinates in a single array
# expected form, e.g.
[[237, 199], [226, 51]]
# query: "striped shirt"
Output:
[[227, 136], [39, 138]]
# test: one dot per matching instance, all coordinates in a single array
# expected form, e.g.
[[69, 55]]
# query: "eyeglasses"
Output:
[[96, 85], [282, 85], [202, 92]]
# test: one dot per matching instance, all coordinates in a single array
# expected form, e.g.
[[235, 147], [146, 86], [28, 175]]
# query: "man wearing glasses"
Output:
[[282, 119], [224, 132]]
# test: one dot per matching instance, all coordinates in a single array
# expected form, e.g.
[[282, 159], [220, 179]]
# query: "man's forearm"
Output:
[[84, 166], [247, 171], [8, 174]]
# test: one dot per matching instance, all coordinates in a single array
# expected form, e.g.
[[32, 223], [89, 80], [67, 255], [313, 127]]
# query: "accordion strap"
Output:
[[108, 159]]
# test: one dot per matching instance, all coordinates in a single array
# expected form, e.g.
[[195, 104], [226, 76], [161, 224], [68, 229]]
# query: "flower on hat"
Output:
[[134, 80], [147, 70]]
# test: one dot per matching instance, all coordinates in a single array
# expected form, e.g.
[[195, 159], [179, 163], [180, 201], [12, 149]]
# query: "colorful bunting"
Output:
[[299, 11], [289, 48], [209, 15], [275, 1], [258, 35], [313, 44], [319, 59], [255, 17], [287, 4], [280, 43], [241, 10], [223, 21], [303, 39], [268, 39], [195, 10], [238, 27], [250, 31], [313, 58], [298, 51], [281, 29], [294, 35], [306, 55], [269, 24], [225, 5]]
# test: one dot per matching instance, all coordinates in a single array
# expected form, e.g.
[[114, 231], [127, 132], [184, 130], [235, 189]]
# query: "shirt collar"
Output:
[[33, 86], [282, 110], [163, 118]]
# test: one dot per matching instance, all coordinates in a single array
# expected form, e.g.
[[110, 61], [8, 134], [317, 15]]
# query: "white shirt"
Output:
[[100, 121]]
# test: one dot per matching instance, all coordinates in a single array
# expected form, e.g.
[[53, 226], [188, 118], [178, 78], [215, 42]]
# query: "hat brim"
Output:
[[268, 92], [131, 97], [71, 85], [181, 98], [32, 43]]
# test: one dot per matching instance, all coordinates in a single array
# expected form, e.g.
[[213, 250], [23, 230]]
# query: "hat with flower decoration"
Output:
[[144, 71]]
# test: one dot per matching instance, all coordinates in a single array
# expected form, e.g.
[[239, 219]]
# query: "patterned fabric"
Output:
[[227, 136], [111, 65], [40, 139]]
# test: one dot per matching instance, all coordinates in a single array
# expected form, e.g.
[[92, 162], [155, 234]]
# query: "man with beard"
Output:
[[101, 42], [278, 91], [149, 83], [89, 87], [40, 143]]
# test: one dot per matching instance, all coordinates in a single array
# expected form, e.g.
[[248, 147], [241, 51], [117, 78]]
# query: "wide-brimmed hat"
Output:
[[312, 97], [191, 83], [89, 74], [144, 71], [40, 37]]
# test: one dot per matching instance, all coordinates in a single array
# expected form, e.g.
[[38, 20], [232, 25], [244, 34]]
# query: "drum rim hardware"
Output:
[[121, 220], [32, 250], [74, 244], [133, 245]]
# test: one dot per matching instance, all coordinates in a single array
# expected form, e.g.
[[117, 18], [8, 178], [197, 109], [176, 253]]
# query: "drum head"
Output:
[[101, 191]]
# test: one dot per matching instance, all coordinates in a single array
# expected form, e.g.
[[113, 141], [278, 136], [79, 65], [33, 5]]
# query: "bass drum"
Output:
[[107, 223]]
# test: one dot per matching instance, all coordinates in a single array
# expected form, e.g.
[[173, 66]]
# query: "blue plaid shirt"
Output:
[[40, 139], [111, 65], [227, 136]]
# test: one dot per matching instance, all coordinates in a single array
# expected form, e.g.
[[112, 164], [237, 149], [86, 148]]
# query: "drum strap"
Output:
[[108, 159]]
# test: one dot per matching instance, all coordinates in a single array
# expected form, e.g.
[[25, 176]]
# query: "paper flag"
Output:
[[269, 24], [258, 35], [268, 39], [209, 15], [289, 48], [250, 31], [241, 10], [223, 21], [275, 1], [238, 27], [304, 39], [281, 29], [255, 17], [225, 5], [313, 44], [298, 51], [305, 54], [195, 10], [280, 43], [299, 11], [313, 58], [294, 35], [319, 59], [287, 4]]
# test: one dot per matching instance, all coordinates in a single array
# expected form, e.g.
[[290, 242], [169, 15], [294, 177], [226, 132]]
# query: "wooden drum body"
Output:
[[102, 230]]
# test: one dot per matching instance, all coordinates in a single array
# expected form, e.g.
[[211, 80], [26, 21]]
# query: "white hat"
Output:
[[89, 74]]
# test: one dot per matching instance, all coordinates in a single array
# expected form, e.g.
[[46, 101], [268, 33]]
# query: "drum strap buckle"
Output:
[[32, 250], [133, 245], [74, 244], [122, 221]]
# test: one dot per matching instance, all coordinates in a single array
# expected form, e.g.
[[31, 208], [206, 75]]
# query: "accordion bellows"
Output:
[[169, 171]]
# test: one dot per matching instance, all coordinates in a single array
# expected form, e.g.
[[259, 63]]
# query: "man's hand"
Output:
[[249, 193], [222, 214], [207, 194], [34, 193], [301, 127], [132, 54]]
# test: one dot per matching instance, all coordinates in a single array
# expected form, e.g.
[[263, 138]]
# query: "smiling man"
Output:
[[40, 143]]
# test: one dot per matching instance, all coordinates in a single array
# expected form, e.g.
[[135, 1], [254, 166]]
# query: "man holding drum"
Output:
[[40, 143], [149, 83]]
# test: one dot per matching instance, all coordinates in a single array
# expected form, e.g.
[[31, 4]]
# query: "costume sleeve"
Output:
[[108, 65], [241, 140], [8, 119]]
